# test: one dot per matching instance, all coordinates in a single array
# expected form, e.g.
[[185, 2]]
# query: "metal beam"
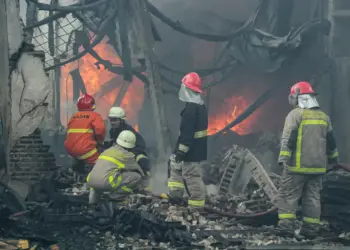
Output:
[[5, 87], [155, 88]]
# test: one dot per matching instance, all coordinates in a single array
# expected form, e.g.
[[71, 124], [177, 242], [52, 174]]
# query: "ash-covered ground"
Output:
[[56, 211]]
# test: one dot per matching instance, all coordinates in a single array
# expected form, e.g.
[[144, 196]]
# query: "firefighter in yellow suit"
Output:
[[116, 170], [307, 144]]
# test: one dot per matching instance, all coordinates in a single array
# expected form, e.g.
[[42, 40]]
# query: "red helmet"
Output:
[[86, 103], [301, 88], [193, 82]]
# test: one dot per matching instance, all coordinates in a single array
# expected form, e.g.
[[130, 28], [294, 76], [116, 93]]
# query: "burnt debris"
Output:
[[56, 212]]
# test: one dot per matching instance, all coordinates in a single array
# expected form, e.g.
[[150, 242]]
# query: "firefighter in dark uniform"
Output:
[[191, 146], [118, 124]]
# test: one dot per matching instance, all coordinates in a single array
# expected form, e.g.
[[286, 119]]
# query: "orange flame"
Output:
[[231, 108], [94, 79], [132, 102]]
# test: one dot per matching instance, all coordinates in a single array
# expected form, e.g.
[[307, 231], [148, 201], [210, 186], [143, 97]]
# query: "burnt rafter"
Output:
[[46, 20], [125, 53], [73, 7], [176, 25], [51, 32], [98, 38], [78, 84]]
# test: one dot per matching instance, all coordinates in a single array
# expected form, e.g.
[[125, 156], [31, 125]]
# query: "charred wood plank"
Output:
[[122, 91], [78, 84]]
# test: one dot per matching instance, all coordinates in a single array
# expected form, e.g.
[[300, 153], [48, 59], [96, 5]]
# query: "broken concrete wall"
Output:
[[12, 37], [30, 90], [30, 159], [24, 97]]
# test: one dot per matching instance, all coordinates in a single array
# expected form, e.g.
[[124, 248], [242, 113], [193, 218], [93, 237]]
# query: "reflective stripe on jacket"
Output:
[[112, 160], [192, 141], [307, 142], [84, 129]]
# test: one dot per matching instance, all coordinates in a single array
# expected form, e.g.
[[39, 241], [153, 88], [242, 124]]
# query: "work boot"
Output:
[[121, 199], [94, 197], [287, 225], [309, 230]]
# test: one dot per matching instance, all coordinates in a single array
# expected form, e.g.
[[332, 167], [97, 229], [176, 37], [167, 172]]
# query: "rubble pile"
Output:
[[56, 212], [336, 200]]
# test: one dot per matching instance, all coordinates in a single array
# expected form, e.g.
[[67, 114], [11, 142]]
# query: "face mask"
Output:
[[187, 95]]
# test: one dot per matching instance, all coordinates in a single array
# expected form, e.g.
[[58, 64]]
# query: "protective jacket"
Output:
[[138, 150], [113, 160], [307, 142], [140, 142], [192, 142], [85, 129]]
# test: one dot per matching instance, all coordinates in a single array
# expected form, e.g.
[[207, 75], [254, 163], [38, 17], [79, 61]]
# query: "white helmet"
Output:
[[116, 112], [126, 139]]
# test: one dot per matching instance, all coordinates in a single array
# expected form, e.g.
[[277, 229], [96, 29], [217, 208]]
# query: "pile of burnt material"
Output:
[[148, 221], [336, 199]]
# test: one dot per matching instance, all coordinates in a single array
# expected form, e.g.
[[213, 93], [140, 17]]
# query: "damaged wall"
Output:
[[29, 83], [31, 159], [30, 91], [59, 48], [24, 98]]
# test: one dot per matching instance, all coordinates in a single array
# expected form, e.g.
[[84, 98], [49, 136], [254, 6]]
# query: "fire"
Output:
[[94, 79], [230, 109]]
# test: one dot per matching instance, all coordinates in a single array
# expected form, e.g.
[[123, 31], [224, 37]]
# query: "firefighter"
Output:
[[118, 124], [116, 170], [86, 131], [307, 144], [191, 146]]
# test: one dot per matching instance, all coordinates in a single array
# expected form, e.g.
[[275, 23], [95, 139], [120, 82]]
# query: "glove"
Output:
[[174, 165], [282, 164], [179, 157]]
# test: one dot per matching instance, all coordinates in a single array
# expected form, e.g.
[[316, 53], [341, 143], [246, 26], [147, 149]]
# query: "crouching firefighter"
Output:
[[117, 119], [116, 171], [86, 130], [307, 144], [191, 146]]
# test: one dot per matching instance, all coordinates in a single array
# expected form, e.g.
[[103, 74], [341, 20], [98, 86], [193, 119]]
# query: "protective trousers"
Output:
[[292, 187], [119, 186], [189, 174], [78, 165]]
